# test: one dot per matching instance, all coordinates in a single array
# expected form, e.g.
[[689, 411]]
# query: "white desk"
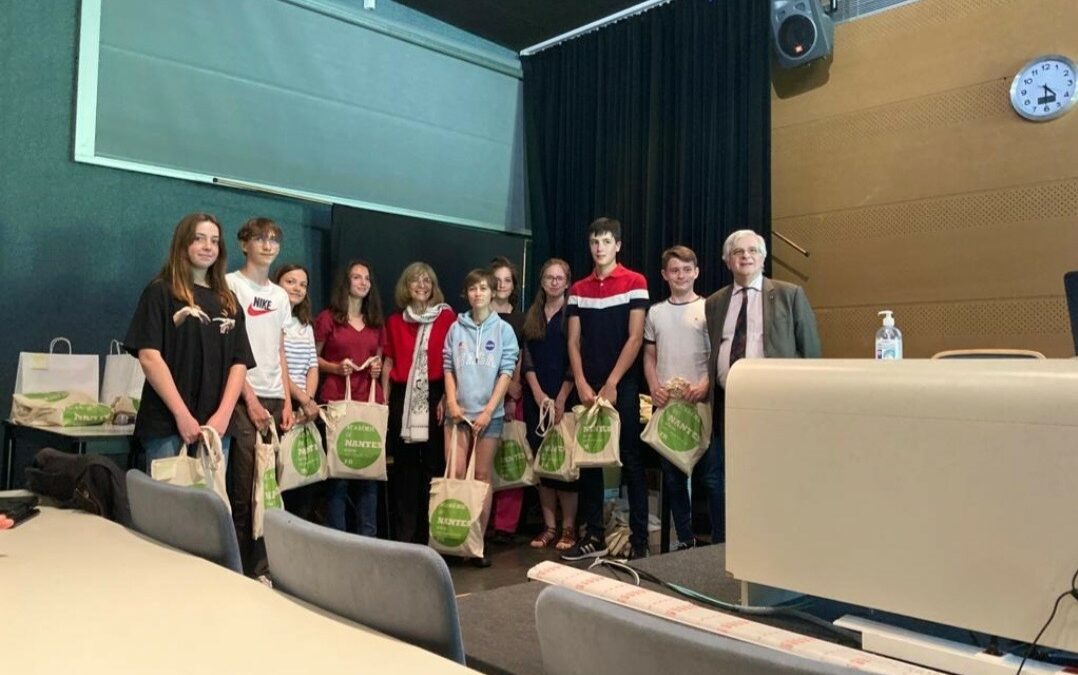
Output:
[[82, 594]]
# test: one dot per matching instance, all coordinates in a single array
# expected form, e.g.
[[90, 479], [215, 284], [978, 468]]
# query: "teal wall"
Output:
[[79, 242]]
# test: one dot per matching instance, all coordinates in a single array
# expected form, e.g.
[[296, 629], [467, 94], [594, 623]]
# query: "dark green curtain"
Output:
[[662, 121]]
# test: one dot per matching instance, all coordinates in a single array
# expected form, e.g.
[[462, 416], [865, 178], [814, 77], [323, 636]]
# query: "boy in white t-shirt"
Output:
[[265, 399], [676, 345]]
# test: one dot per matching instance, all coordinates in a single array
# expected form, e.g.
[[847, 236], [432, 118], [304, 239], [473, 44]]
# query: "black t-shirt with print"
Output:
[[198, 352]]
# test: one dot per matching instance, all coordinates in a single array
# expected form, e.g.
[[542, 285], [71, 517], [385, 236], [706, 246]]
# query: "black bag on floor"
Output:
[[92, 483]]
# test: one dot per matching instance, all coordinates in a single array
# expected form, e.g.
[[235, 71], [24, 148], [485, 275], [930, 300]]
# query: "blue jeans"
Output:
[[163, 447], [365, 504], [632, 473], [676, 484]]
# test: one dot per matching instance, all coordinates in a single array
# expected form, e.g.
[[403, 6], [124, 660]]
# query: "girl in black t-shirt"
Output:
[[188, 334]]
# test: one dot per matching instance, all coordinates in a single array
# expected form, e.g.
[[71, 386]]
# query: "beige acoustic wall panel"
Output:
[[902, 168]]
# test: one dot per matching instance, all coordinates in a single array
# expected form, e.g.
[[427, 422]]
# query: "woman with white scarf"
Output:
[[413, 379]]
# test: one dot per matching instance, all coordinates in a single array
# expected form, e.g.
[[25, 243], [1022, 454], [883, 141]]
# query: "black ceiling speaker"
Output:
[[801, 30]]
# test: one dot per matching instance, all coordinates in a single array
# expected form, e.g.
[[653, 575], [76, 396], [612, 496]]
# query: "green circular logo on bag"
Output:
[[86, 414], [450, 523], [680, 426], [552, 452], [359, 445], [594, 432], [269, 489], [306, 458], [510, 461]]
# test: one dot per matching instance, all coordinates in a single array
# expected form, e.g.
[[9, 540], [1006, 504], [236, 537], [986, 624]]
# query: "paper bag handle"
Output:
[[116, 348], [52, 344]]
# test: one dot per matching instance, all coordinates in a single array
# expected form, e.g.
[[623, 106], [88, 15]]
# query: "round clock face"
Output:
[[1044, 88]]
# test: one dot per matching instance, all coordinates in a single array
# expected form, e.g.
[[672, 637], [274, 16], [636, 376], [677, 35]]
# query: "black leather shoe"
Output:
[[481, 562]]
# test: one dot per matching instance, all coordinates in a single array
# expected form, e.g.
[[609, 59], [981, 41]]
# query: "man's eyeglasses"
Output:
[[752, 251], [270, 239], [552, 279]]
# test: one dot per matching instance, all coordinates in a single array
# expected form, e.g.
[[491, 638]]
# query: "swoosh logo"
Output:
[[254, 311]]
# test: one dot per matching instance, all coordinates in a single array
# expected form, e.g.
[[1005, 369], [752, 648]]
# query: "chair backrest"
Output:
[[582, 634], [402, 590], [988, 354], [190, 519]]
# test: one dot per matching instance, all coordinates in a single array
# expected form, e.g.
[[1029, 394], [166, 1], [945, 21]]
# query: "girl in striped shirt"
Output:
[[299, 351]]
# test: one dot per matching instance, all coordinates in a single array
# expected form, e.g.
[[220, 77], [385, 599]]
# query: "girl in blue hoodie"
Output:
[[478, 359]]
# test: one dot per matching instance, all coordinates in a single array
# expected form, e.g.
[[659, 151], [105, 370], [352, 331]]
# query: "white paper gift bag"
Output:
[[356, 435], [597, 436], [123, 376], [205, 470], [457, 506], [57, 372]]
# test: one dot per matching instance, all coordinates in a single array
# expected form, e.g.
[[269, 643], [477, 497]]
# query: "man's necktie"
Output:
[[737, 345]]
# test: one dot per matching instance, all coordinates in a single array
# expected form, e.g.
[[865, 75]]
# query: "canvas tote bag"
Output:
[[267, 494], [680, 431], [513, 459], [356, 434], [205, 470], [301, 458], [554, 458], [598, 431], [58, 409], [456, 508], [57, 372], [123, 377]]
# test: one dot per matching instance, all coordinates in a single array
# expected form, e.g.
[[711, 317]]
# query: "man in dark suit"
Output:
[[754, 317]]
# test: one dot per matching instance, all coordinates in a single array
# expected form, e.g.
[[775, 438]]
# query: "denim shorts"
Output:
[[495, 428]]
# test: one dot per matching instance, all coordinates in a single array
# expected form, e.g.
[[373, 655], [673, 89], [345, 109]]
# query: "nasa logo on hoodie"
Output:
[[489, 345]]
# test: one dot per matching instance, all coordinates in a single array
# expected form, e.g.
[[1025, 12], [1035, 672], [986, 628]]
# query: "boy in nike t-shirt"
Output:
[[265, 399]]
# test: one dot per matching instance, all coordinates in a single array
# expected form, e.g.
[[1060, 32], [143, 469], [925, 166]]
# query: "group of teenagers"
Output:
[[241, 351]]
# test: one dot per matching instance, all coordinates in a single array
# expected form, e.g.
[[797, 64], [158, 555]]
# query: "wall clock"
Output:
[[1044, 88]]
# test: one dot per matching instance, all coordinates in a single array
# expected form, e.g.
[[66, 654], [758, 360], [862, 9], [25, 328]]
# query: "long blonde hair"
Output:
[[403, 297]]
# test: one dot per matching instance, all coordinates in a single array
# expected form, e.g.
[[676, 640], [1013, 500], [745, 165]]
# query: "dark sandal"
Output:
[[545, 538]]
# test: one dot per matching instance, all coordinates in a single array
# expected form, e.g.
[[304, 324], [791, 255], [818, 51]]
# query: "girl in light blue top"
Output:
[[479, 356]]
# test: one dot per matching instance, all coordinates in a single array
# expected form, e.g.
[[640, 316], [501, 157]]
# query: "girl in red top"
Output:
[[413, 377], [347, 334]]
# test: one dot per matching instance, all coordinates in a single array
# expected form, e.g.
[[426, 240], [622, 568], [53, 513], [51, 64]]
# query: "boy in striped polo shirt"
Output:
[[606, 313]]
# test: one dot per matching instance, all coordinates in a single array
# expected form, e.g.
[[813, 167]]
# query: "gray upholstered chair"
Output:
[[190, 519], [581, 634], [402, 590]]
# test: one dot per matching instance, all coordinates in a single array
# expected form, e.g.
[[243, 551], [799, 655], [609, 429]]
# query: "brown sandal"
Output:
[[545, 538], [567, 541]]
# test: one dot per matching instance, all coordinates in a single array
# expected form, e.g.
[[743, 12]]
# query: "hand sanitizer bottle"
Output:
[[888, 338]]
